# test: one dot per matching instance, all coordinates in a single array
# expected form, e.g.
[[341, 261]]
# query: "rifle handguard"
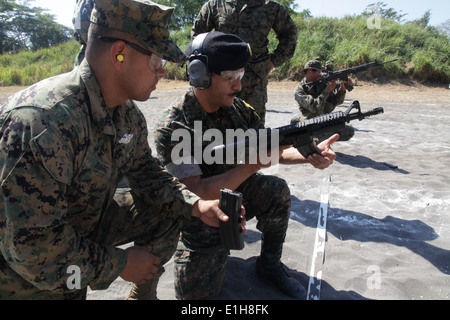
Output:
[[301, 134], [326, 123]]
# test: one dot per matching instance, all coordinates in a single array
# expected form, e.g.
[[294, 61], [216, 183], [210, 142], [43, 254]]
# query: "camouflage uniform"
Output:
[[62, 155], [200, 260], [252, 20], [311, 107]]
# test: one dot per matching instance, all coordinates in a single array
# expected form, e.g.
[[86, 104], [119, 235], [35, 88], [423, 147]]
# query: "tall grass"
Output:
[[26, 68], [423, 53]]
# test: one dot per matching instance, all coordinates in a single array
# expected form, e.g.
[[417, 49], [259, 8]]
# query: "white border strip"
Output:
[[315, 275]]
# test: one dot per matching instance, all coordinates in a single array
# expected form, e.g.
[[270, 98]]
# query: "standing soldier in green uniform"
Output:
[[66, 142], [200, 260], [252, 20], [313, 104]]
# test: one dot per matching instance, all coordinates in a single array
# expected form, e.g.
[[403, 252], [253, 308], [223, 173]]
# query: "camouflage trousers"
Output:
[[127, 219], [254, 92], [200, 259]]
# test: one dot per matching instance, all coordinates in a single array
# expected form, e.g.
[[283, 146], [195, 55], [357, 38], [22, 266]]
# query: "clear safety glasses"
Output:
[[156, 64], [232, 75]]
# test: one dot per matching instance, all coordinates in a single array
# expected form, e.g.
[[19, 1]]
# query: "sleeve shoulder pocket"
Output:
[[54, 153]]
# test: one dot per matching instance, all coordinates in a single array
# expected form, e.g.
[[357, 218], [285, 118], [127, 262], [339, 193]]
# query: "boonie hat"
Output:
[[224, 51], [146, 20], [313, 64]]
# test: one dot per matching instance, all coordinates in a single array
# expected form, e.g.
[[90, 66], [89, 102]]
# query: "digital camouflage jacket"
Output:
[[62, 155], [252, 21]]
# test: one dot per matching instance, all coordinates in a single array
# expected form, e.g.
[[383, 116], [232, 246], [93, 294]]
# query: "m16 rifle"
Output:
[[301, 134], [315, 88]]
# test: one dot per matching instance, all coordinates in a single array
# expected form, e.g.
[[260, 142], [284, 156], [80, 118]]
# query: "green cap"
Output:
[[313, 64], [146, 20]]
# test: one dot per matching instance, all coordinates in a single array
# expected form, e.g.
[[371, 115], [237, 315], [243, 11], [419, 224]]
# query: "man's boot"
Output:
[[146, 291], [270, 270]]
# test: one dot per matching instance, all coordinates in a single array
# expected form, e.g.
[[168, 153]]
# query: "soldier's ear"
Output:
[[118, 54]]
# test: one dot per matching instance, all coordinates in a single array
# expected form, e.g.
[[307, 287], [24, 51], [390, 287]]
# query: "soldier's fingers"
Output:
[[154, 269], [332, 140], [243, 224], [325, 145], [148, 249], [222, 216], [318, 161]]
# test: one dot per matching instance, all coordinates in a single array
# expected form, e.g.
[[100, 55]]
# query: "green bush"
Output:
[[423, 53]]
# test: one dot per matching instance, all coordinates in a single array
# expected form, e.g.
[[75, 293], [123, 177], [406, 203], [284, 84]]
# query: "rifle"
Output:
[[301, 134], [319, 85]]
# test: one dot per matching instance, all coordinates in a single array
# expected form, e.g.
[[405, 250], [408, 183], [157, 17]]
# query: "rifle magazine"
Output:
[[230, 231]]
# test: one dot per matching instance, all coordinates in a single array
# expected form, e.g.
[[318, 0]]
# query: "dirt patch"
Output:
[[395, 92], [7, 91], [364, 91]]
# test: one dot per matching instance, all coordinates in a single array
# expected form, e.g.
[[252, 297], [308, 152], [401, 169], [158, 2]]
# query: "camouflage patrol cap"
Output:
[[313, 64], [146, 20]]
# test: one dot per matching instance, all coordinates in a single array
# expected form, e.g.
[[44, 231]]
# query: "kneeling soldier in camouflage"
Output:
[[216, 69]]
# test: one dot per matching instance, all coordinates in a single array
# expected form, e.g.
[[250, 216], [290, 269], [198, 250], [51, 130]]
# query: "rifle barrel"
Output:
[[362, 115]]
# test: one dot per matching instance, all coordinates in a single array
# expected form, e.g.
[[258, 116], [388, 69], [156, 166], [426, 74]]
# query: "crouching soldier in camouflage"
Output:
[[200, 260], [313, 104], [66, 142]]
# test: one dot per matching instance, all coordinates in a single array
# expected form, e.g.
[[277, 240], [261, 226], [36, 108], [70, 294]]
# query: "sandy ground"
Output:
[[374, 225]]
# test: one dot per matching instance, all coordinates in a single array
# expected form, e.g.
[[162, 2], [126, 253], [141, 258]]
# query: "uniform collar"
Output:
[[99, 111], [193, 111]]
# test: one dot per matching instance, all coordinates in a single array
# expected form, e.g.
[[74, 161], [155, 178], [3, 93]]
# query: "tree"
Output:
[[291, 5], [424, 20], [379, 8], [25, 28], [185, 12], [445, 27]]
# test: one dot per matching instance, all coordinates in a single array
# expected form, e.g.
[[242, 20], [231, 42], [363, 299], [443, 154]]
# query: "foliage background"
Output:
[[35, 47]]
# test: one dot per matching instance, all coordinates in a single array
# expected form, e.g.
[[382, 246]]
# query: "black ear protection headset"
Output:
[[199, 74]]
